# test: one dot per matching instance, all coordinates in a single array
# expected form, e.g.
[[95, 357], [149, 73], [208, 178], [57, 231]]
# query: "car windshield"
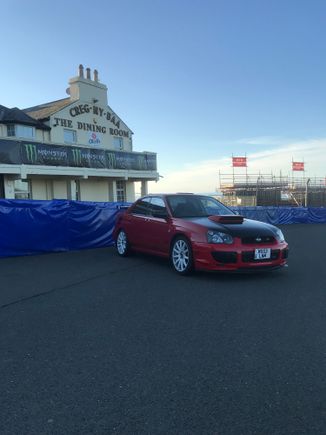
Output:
[[196, 206]]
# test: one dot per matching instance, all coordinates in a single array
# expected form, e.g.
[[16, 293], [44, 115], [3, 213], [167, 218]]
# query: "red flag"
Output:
[[297, 166], [239, 161]]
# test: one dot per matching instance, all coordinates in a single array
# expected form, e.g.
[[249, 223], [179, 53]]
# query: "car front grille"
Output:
[[257, 240], [225, 257], [249, 256]]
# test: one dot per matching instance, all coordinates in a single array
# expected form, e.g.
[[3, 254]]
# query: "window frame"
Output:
[[23, 193], [120, 139], [120, 190], [74, 133], [11, 127], [19, 130]]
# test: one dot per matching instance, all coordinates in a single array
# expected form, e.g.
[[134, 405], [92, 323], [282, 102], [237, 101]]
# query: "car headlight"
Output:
[[279, 235], [218, 237]]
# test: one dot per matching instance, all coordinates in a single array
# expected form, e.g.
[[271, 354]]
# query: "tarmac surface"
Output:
[[91, 343]]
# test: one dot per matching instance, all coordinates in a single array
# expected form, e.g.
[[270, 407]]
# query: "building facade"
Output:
[[75, 148]]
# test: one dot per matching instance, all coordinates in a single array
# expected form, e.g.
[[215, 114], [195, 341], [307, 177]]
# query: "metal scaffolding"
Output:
[[272, 190]]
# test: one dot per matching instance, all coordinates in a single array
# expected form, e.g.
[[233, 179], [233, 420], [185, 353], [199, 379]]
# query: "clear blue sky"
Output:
[[195, 80]]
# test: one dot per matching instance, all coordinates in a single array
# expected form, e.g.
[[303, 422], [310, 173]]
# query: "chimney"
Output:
[[86, 87], [81, 71]]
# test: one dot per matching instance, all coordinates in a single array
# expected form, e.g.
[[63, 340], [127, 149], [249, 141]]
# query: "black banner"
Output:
[[32, 153]]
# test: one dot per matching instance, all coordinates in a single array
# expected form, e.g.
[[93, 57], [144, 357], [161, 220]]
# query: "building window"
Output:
[[11, 130], [25, 131], [118, 143], [69, 136], [121, 191], [22, 189], [18, 130]]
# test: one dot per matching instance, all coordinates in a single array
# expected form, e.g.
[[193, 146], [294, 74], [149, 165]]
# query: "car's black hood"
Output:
[[246, 229]]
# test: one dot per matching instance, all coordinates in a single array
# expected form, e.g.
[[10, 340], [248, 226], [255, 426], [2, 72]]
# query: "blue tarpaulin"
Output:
[[33, 227], [284, 215]]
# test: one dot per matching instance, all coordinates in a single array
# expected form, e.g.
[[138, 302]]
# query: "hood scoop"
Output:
[[227, 219]]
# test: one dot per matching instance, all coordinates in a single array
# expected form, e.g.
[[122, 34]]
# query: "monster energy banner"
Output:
[[31, 153]]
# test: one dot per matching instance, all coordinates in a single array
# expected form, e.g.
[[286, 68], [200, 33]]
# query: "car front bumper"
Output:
[[237, 257]]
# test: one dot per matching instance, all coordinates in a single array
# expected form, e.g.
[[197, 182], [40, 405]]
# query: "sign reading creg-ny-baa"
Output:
[[81, 109]]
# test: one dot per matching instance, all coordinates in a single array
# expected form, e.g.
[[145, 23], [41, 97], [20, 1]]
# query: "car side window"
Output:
[[157, 207], [142, 207]]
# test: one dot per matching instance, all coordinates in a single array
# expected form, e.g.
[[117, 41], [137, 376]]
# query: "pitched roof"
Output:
[[43, 111], [15, 115]]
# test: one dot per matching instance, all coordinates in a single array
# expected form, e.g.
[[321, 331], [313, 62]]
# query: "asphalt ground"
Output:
[[91, 343]]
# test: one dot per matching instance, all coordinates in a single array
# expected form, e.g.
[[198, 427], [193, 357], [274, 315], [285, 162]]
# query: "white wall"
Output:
[[101, 190], [42, 136], [9, 185], [94, 190], [130, 191], [60, 189], [39, 189], [82, 88], [89, 105], [112, 191], [67, 118]]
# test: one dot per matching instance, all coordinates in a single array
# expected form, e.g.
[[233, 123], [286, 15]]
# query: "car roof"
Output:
[[171, 194]]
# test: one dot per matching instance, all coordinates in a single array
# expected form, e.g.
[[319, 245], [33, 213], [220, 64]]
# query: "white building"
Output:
[[73, 148]]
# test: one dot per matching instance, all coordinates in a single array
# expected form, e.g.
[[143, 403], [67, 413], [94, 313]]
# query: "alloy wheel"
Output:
[[181, 256], [122, 243]]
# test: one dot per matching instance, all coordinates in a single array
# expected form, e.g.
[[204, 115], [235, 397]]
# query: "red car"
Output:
[[198, 232]]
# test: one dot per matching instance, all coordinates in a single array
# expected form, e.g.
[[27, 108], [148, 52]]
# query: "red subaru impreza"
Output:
[[198, 232]]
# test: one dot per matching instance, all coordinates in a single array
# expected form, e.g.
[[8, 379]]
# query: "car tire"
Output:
[[122, 244], [181, 256]]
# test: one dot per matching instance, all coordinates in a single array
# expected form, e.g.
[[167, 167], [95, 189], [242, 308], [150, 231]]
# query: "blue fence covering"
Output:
[[284, 215], [33, 227]]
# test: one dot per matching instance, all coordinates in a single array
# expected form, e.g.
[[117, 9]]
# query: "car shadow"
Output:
[[232, 276]]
